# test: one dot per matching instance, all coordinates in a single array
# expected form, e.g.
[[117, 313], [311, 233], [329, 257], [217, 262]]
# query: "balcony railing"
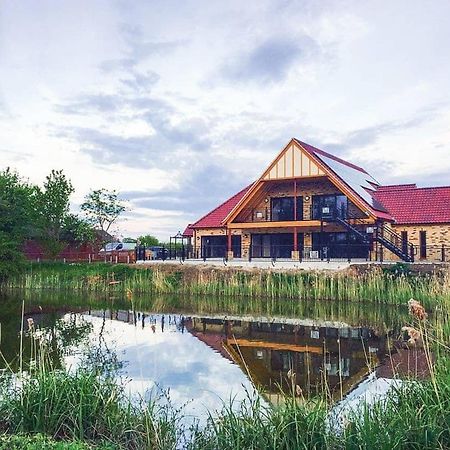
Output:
[[309, 212]]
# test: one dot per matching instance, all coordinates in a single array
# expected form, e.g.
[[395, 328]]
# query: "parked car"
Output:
[[158, 252], [118, 247]]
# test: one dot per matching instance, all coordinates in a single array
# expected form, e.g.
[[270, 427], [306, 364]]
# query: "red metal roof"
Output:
[[412, 205], [214, 218], [407, 204], [404, 203], [188, 232], [396, 187]]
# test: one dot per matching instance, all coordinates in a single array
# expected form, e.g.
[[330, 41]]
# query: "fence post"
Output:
[[117, 258], [128, 259]]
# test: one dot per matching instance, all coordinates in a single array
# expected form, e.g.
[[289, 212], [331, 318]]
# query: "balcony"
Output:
[[309, 213]]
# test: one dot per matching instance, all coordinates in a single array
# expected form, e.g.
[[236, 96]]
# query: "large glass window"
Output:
[[339, 245], [329, 206], [405, 242], [282, 209], [276, 245], [216, 246]]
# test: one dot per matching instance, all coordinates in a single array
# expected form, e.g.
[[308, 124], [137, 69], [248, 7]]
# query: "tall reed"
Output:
[[373, 285]]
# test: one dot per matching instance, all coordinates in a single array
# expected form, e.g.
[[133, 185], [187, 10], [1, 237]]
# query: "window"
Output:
[[276, 245], [329, 206], [423, 244], [339, 245], [282, 209], [405, 242], [216, 246]]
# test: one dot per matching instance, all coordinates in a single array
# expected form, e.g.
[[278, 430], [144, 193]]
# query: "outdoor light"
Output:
[[266, 200], [307, 197]]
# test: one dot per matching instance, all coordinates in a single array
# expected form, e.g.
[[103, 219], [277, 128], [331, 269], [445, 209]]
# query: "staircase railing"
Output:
[[395, 243], [388, 238]]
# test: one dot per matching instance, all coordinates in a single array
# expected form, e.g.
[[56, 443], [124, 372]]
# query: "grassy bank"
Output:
[[384, 286]]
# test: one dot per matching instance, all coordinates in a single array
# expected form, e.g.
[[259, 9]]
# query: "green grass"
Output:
[[375, 285], [87, 408], [42, 442]]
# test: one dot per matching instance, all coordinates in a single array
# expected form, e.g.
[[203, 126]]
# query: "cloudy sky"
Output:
[[179, 104]]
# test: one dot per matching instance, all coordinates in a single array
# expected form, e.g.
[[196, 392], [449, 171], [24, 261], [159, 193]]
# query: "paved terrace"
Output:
[[260, 264]]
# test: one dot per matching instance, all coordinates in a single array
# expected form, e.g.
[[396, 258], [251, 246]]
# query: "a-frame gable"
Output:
[[292, 162]]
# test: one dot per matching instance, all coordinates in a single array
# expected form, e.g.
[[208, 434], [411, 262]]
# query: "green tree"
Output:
[[78, 230], [17, 216], [148, 240], [53, 204], [17, 206], [103, 208]]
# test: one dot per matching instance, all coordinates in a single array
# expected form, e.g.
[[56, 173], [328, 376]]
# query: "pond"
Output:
[[200, 353]]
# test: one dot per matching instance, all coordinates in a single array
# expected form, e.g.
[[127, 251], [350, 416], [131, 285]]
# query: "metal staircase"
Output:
[[394, 243], [383, 235]]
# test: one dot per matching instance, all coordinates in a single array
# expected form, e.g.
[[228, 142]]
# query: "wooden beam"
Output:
[[290, 223]]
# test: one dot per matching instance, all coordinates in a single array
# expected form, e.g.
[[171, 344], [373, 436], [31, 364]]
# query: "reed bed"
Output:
[[376, 285]]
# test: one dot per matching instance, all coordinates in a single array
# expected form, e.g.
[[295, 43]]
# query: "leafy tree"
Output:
[[148, 240], [103, 208], [78, 230], [53, 211], [17, 215], [11, 257], [129, 240], [17, 206]]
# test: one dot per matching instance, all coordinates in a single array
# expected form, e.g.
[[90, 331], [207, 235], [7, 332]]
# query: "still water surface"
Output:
[[201, 355]]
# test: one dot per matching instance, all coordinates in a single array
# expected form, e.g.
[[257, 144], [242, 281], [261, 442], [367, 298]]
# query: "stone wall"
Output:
[[436, 236]]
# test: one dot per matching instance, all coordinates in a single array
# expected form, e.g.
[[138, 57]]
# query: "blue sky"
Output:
[[178, 105]]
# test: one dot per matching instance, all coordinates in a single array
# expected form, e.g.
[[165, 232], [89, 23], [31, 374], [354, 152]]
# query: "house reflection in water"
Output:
[[322, 354]]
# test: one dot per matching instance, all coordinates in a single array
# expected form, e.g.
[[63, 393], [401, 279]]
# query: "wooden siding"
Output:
[[293, 163]]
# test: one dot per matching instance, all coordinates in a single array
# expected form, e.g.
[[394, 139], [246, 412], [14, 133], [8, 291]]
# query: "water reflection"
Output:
[[315, 355], [159, 355], [204, 358]]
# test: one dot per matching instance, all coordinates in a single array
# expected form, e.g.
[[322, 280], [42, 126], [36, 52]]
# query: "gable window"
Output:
[[282, 209], [329, 206]]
